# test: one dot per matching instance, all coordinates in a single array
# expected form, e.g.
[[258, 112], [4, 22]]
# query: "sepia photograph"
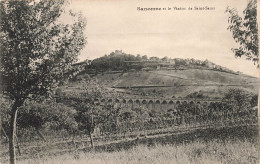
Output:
[[129, 82]]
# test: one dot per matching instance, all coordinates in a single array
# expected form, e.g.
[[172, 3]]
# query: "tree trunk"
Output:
[[91, 140], [39, 134], [17, 145], [258, 114], [12, 133], [7, 139]]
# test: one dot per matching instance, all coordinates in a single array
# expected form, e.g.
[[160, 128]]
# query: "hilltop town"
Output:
[[120, 61]]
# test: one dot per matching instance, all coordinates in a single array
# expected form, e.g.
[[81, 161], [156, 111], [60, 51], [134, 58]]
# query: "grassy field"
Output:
[[215, 151], [234, 145]]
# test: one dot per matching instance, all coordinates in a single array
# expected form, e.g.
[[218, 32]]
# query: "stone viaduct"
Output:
[[153, 103]]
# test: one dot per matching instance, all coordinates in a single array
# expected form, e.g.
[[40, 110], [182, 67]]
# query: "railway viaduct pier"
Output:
[[153, 103]]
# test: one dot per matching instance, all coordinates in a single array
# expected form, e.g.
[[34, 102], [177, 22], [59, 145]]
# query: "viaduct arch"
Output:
[[157, 104]]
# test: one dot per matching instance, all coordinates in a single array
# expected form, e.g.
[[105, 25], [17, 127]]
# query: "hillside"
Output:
[[154, 77], [168, 83]]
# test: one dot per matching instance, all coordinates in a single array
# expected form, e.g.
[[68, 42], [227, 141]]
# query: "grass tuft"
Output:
[[215, 151]]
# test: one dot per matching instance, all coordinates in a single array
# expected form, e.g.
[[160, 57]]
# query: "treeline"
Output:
[[114, 61], [120, 61]]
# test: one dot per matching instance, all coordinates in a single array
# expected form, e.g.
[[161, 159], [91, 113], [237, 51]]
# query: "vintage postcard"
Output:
[[129, 81]]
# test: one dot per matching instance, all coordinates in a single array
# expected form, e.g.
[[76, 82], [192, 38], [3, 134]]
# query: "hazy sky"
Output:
[[114, 24]]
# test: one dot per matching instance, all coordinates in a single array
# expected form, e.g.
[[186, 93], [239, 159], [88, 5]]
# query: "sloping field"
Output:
[[179, 82], [184, 77]]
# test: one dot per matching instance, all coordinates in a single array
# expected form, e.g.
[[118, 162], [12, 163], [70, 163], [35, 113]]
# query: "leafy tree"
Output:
[[114, 62], [144, 57], [55, 115], [254, 100], [180, 62], [138, 57], [154, 58], [236, 102], [89, 113], [36, 50], [142, 116], [245, 31], [4, 117], [111, 113], [165, 59], [127, 118]]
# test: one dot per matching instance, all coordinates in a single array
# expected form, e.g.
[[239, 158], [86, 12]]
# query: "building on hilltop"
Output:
[[118, 52]]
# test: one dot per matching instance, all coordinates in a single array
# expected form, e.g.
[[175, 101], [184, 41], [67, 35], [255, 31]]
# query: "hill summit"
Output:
[[120, 61]]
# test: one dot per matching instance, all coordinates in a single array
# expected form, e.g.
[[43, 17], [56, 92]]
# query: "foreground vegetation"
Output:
[[236, 144], [214, 151], [62, 125]]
